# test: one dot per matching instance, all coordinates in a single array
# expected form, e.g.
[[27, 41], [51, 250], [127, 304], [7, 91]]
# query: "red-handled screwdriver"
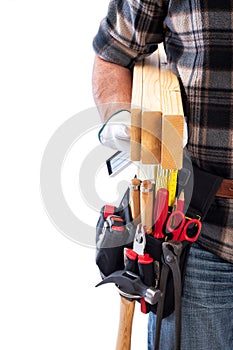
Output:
[[160, 212]]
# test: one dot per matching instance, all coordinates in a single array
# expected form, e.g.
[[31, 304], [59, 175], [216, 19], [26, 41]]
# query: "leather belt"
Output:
[[226, 189]]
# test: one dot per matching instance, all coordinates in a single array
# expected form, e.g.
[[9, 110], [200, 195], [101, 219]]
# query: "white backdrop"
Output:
[[47, 294]]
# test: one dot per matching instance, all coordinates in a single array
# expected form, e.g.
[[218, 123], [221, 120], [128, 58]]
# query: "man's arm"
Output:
[[112, 85]]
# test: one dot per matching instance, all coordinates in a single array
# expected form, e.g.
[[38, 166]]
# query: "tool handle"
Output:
[[125, 324], [175, 224], [147, 205], [126, 306], [131, 261], [135, 199], [194, 224], [160, 212], [146, 269]]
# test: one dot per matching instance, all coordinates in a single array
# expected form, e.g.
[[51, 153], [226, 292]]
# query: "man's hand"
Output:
[[115, 133]]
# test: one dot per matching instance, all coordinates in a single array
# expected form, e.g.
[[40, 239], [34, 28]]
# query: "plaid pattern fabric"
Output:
[[198, 37]]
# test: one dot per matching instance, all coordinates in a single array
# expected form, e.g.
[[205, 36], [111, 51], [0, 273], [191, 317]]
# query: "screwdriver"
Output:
[[160, 212]]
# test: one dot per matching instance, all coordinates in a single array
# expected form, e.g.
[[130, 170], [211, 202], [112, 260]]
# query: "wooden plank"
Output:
[[151, 137], [151, 100], [172, 144], [135, 135], [173, 117], [151, 112], [136, 112]]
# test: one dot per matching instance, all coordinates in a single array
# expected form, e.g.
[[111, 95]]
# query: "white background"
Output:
[[47, 294]]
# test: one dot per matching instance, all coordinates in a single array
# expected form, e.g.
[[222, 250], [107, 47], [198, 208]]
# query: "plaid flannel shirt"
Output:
[[198, 36]]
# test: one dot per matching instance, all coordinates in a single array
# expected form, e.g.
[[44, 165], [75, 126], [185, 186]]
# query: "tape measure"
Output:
[[172, 183], [160, 180], [167, 178]]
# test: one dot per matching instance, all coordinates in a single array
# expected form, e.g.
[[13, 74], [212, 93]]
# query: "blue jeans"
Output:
[[207, 306]]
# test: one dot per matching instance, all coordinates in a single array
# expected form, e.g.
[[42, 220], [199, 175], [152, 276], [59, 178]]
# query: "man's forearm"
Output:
[[112, 85]]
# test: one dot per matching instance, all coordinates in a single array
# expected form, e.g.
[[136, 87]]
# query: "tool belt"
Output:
[[155, 279], [226, 189]]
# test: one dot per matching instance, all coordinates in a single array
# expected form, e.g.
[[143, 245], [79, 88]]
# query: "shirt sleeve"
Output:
[[130, 31]]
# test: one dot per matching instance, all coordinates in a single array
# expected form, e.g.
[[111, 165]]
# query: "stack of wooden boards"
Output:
[[157, 117]]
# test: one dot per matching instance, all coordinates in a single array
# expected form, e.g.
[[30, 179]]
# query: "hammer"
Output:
[[141, 200], [127, 306], [131, 285]]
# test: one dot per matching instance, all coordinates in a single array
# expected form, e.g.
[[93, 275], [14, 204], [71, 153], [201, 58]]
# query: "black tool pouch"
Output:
[[110, 241], [199, 188], [154, 248]]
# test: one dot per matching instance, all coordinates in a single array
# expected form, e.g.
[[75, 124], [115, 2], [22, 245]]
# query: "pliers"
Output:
[[171, 257]]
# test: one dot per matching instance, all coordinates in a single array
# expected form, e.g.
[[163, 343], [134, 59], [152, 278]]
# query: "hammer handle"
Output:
[[125, 324], [126, 306]]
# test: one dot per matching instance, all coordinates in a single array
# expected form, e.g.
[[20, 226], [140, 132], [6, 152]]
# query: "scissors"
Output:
[[184, 229]]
